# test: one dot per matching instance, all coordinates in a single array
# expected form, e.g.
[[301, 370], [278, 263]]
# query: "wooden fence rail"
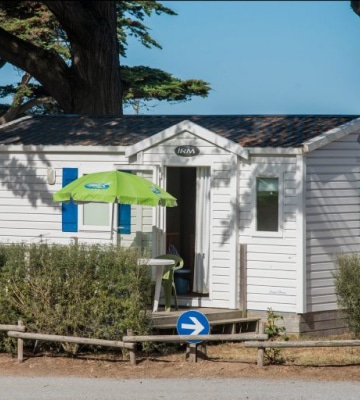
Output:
[[18, 328], [73, 339], [185, 338], [249, 340], [262, 345], [192, 348]]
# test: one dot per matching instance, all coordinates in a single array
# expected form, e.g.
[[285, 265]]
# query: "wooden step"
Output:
[[228, 325], [212, 315]]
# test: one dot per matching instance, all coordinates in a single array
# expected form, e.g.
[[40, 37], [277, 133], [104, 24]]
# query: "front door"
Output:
[[186, 224]]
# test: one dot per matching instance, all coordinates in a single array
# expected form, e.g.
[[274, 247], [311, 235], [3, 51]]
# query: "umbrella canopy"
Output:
[[115, 187]]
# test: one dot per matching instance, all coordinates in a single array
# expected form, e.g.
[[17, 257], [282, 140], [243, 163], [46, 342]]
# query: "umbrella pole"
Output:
[[112, 235]]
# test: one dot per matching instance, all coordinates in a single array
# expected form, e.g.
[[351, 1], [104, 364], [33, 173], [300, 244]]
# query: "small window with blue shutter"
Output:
[[69, 210]]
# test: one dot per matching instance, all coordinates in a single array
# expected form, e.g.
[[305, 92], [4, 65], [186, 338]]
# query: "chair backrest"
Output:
[[169, 271]]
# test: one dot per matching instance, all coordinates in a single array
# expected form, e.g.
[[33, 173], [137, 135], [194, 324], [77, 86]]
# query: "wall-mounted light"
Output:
[[51, 176]]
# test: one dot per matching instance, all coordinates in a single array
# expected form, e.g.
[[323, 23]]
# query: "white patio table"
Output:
[[159, 264]]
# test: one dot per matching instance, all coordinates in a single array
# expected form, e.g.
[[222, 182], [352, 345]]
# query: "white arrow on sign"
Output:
[[197, 326]]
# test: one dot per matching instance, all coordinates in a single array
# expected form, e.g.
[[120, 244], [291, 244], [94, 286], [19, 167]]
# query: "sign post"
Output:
[[193, 323]]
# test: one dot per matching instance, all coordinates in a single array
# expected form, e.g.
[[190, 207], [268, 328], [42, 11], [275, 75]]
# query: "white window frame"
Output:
[[267, 172], [112, 210]]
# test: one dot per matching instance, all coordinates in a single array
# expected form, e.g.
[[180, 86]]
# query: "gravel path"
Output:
[[176, 389]]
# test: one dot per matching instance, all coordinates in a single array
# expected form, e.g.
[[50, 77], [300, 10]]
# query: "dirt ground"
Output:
[[223, 361]]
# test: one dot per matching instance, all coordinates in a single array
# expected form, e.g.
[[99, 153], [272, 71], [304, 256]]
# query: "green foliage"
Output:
[[32, 21], [147, 83], [275, 331], [347, 288], [90, 291], [131, 15]]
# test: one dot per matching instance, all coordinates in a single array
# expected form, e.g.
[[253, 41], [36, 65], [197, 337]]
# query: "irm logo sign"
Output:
[[187, 151]]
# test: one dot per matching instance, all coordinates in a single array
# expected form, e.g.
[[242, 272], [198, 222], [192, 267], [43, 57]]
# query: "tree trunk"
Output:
[[95, 71]]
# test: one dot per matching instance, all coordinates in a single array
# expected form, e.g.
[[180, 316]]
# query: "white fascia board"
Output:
[[193, 128], [331, 135], [60, 149], [276, 151]]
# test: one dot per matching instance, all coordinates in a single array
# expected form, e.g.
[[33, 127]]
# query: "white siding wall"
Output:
[[271, 260], [332, 215], [27, 212], [223, 244]]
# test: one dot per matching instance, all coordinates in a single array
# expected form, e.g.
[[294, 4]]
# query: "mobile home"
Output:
[[264, 202]]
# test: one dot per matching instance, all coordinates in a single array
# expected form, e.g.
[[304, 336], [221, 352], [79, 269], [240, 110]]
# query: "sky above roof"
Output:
[[259, 57]]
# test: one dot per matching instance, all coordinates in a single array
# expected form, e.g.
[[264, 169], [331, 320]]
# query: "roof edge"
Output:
[[192, 127], [331, 135], [15, 121], [29, 148]]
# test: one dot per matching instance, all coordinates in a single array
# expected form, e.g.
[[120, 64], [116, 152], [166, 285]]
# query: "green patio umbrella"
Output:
[[114, 187]]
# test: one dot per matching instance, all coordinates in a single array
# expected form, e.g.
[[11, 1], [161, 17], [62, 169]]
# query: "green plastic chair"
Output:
[[168, 281]]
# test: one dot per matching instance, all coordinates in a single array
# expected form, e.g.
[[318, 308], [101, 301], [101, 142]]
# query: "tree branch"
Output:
[[45, 66], [15, 111]]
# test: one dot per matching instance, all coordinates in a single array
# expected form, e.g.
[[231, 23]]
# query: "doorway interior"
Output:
[[180, 220]]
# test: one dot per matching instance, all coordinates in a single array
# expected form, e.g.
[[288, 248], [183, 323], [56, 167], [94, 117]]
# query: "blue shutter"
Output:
[[70, 210], [124, 217]]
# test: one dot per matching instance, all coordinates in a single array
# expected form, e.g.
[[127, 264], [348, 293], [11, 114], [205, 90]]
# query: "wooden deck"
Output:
[[220, 320]]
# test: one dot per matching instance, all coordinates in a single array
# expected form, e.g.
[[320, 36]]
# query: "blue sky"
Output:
[[260, 57]]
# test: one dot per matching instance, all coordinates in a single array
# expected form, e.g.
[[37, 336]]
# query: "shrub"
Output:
[[347, 288], [275, 331], [92, 291]]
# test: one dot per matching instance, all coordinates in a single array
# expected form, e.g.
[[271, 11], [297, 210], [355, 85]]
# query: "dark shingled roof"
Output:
[[247, 130]]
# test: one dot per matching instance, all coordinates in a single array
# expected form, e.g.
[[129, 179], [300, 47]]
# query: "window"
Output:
[[102, 216], [267, 204], [96, 214]]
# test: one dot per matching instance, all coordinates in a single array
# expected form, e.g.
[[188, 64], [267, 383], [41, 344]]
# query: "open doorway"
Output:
[[180, 220]]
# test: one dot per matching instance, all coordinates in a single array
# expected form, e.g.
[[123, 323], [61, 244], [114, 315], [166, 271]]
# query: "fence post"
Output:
[[132, 351], [202, 351], [260, 355], [20, 345], [191, 352]]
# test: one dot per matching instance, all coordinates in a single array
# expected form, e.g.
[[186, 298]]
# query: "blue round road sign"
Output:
[[192, 323]]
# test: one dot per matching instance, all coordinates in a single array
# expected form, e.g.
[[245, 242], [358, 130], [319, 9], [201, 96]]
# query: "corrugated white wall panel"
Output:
[[332, 215], [27, 212], [271, 260]]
